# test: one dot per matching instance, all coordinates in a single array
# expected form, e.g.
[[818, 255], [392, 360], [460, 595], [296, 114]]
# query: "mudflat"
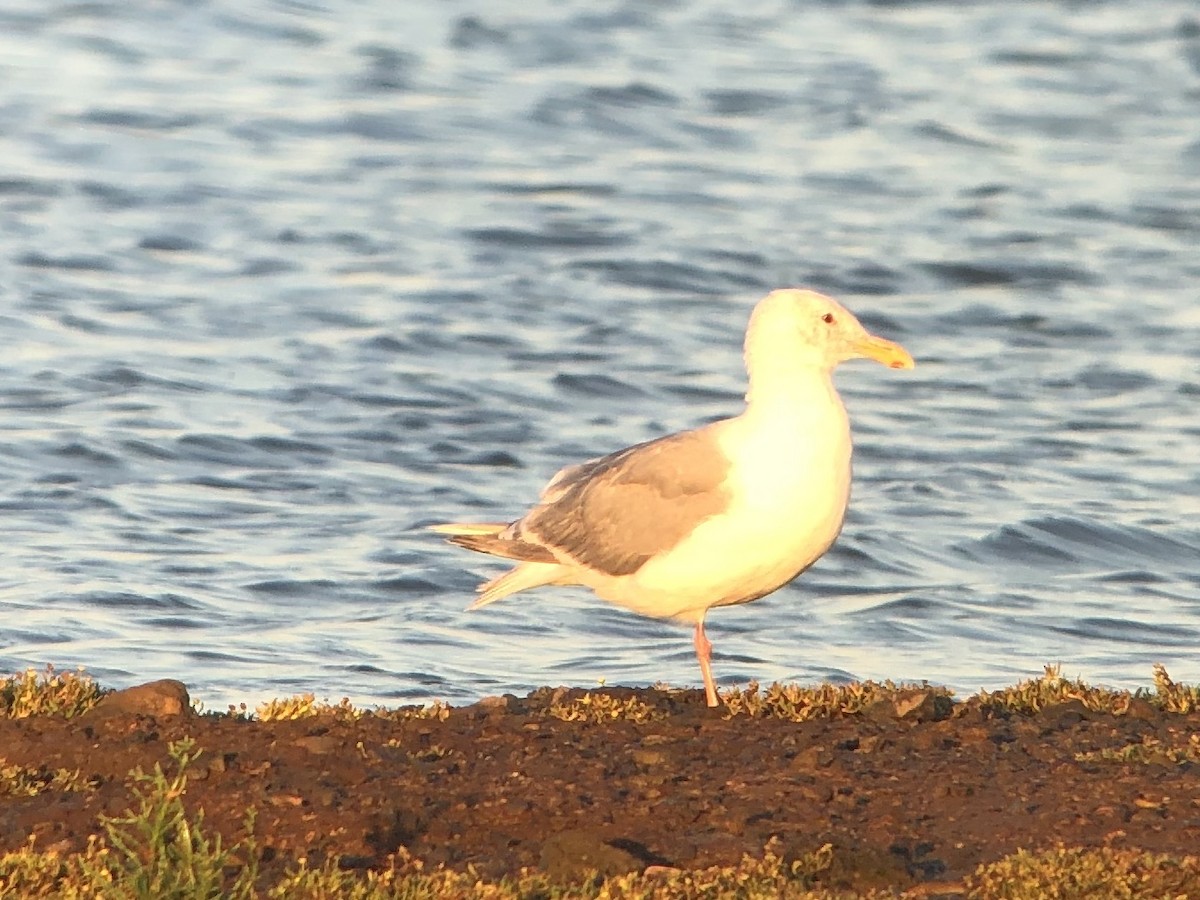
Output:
[[905, 787]]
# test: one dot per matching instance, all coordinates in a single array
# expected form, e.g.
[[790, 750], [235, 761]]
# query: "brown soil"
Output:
[[501, 785]]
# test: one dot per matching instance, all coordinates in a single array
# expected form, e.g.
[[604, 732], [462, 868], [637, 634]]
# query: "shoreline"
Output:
[[850, 788]]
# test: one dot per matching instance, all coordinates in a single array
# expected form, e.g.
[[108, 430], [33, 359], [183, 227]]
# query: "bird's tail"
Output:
[[460, 528], [491, 538], [538, 566], [519, 578]]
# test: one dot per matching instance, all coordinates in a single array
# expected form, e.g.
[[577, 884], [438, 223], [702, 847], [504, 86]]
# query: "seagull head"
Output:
[[812, 329]]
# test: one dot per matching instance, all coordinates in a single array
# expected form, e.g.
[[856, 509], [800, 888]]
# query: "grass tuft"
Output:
[[1070, 873], [1052, 688], [1150, 751], [303, 706], [800, 704], [1172, 697], [47, 693], [30, 873], [438, 710], [602, 707], [767, 877], [23, 781], [157, 850]]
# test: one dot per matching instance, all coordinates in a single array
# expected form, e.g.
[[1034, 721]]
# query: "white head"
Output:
[[795, 328]]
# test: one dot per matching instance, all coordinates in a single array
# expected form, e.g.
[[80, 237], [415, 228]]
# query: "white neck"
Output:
[[794, 425], [783, 386]]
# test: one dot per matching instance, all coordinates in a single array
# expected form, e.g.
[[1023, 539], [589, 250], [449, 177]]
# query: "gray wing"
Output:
[[614, 513]]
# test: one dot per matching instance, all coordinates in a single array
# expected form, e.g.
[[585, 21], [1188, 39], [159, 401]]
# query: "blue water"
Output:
[[282, 283]]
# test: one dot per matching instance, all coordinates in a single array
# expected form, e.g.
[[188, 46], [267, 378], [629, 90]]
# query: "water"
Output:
[[283, 283]]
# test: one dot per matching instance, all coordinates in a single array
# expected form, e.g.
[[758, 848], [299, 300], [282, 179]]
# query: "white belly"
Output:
[[789, 495]]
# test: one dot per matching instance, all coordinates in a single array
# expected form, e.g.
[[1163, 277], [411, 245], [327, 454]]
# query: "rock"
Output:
[[1065, 714], [218, 765], [973, 735], [869, 867], [810, 758], [1142, 709], [881, 710], [926, 739], [916, 705], [923, 706], [567, 855], [648, 758], [487, 707], [871, 743], [318, 743], [158, 699]]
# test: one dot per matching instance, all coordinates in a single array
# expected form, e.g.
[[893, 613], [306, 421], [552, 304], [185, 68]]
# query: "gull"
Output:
[[718, 515]]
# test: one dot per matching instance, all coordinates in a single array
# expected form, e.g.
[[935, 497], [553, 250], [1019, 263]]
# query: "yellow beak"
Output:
[[887, 352]]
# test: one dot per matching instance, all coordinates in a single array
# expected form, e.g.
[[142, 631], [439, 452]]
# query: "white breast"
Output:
[[789, 483]]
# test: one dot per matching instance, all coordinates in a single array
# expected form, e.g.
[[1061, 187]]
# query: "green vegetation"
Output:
[[406, 879], [47, 694], [153, 852], [1069, 873], [70, 694], [1052, 689], [158, 849], [600, 707], [1150, 751], [303, 706], [23, 781], [1172, 697], [799, 704], [157, 852]]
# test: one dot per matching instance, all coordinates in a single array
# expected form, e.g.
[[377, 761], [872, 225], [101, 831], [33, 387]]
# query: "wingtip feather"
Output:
[[461, 528]]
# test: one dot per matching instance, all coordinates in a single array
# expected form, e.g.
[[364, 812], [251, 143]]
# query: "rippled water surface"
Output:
[[283, 283]]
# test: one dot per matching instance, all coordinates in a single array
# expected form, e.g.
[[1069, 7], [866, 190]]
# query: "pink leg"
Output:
[[704, 654]]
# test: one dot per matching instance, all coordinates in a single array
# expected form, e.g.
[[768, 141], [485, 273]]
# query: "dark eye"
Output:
[[827, 318]]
